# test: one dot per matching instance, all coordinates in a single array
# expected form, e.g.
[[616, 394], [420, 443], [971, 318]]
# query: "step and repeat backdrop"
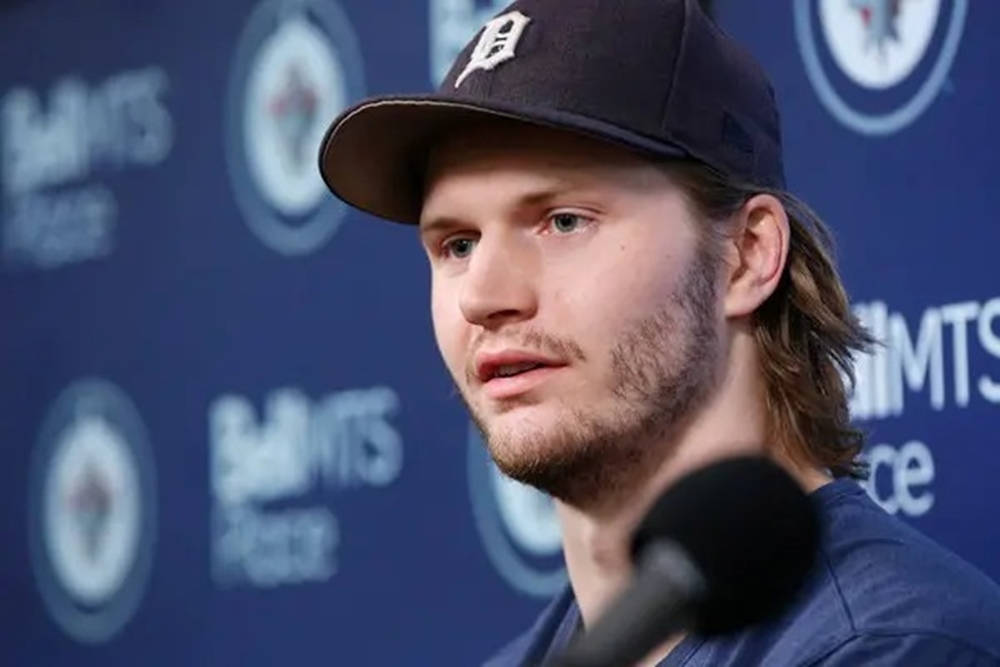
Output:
[[227, 436]]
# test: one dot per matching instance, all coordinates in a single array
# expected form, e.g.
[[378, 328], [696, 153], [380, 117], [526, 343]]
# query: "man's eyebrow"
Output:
[[547, 194], [440, 224], [531, 199]]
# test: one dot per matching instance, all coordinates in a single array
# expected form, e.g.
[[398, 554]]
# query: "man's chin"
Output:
[[519, 443], [524, 405], [512, 445], [563, 472], [572, 459], [544, 445], [516, 424], [529, 465], [543, 458]]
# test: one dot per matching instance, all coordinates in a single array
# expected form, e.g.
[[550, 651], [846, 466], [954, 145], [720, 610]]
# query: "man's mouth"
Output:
[[510, 370], [507, 373], [509, 363]]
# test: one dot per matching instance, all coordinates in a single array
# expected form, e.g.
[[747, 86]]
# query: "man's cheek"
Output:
[[439, 321], [453, 352]]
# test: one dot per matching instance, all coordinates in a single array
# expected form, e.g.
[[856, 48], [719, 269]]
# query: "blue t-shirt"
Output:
[[880, 594]]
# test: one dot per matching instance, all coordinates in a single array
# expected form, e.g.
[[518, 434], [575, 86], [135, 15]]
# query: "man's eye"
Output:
[[565, 223], [458, 248]]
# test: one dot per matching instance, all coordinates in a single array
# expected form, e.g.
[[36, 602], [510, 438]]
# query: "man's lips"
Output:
[[504, 364], [500, 388], [507, 373]]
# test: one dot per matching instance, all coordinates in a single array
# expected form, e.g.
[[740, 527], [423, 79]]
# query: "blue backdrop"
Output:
[[229, 438]]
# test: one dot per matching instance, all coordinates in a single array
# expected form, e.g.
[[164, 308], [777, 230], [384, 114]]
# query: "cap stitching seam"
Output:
[[685, 22]]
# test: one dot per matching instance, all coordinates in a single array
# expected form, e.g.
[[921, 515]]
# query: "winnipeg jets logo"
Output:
[[880, 19], [878, 64], [90, 504], [297, 65], [93, 514], [878, 43], [496, 44], [293, 109]]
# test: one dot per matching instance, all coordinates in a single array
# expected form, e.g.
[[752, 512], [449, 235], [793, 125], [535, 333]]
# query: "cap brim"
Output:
[[374, 154]]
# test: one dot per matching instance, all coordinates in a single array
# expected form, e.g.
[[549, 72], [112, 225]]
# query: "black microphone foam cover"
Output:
[[749, 528]]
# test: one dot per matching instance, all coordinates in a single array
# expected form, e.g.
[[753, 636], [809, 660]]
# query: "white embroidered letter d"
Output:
[[496, 44]]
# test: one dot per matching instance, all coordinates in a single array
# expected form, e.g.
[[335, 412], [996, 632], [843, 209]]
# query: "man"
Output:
[[623, 292]]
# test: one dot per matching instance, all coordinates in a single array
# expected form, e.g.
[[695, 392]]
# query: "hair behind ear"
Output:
[[805, 332]]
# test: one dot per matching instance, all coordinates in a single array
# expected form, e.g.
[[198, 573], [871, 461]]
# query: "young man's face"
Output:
[[573, 302]]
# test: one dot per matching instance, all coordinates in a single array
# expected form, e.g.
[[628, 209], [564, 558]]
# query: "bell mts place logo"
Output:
[[297, 66], [517, 525], [877, 65], [92, 510]]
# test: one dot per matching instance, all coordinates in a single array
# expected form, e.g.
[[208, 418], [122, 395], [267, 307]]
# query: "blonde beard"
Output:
[[662, 369]]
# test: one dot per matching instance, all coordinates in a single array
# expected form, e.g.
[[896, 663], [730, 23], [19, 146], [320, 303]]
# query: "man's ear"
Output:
[[759, 252]]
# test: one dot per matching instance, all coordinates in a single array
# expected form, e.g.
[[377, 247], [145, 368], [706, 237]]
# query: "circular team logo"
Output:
[[877, 65], [92, 510], [297, 66], [517, 524]]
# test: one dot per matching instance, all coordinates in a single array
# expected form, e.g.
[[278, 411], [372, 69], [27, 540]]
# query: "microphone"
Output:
[[725, 547]]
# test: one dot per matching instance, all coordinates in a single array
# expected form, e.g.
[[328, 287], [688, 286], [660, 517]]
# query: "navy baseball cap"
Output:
[[655, 76]]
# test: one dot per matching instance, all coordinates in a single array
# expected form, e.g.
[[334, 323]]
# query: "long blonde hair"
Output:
[[805, 331]]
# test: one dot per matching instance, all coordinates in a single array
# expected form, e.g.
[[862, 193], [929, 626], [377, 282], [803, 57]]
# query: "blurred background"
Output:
[[227, 436]]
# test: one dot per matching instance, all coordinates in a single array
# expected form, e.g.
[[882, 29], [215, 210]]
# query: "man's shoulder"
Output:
[[913, 649], [880, 581], [886, 574], [879, 588]]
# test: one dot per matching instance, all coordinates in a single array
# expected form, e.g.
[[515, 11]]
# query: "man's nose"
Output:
[[500, 283]]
